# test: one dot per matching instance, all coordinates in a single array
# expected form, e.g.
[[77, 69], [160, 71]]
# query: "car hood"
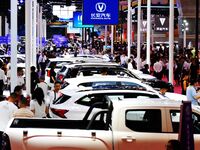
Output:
[[175, 96], [141, 75], [146, 76]]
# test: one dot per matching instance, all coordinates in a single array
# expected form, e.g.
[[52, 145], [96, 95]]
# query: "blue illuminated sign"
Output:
[[77, 22], [101, 12]]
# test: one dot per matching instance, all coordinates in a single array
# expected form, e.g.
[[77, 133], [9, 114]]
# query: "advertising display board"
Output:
[[77, 21], [101, 12]]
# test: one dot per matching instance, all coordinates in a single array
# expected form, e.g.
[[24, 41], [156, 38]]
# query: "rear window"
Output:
[[57, 64], [51, 64], [132, 85], [63, 69], [61, 99]]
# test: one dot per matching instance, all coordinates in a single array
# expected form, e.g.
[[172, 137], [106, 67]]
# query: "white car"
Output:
[[131, 124], [58, 63], [114, 82], [73, 104], [106, 81]]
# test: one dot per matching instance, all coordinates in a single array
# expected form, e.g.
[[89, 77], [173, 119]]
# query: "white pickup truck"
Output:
[[124, 125]]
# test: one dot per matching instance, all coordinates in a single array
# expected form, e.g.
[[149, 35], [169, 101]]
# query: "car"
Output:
[[87, 69], [113, 82], [58, 63], [106, 81], [121, 125], [73, 104]]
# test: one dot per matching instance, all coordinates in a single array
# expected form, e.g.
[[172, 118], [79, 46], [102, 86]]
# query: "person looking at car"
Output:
[[145, 70], [23, 110], [18, 92], [42, 62], [7, 109], [37, 104], [55, 93], [34, 78], [158, 67], [20, 78], [52, 74], [43, 85], [191, 92]]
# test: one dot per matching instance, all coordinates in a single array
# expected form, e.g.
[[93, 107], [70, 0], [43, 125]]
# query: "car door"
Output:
[[143, 130], [173, 123]]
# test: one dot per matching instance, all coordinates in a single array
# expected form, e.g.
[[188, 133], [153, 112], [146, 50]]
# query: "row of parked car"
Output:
[[102, 106], [84, 84]]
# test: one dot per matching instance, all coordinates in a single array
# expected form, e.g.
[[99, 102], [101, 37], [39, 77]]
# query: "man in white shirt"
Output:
[[20, 77], [42, 62], [7, 109], [123, 60], [54, 94], [2, 80], [158, 70]]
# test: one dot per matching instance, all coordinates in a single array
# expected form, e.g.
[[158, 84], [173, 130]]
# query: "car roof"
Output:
[[102, 91], [104, 78], [93, 64], [63, 59], [99, 78]]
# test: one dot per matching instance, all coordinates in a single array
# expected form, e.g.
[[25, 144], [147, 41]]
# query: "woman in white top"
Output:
[[130, 65], [37, 105]]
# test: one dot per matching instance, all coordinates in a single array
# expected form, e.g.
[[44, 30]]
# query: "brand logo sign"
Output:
[[100, 12], [100, 7], [144, 26], [161, 24], [162, 21]]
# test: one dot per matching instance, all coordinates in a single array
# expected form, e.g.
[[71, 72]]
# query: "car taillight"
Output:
[[59, 112], [48, 73], [60, 77], [5, 144]]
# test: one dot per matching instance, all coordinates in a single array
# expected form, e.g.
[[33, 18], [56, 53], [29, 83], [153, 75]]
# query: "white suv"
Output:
[[73, 105]]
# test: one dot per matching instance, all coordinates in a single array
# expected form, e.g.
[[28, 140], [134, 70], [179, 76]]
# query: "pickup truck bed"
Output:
[[56, 124]]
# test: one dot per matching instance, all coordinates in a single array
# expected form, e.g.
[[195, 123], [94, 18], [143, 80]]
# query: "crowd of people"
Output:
[[17, 105], [185, 66]]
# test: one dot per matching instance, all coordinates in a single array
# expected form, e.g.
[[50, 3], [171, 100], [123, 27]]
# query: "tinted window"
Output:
[[175, 119], [61, 99], [87, 84], [144, 120], [63, 69], [132, 85], [90, 99], [51, 64]]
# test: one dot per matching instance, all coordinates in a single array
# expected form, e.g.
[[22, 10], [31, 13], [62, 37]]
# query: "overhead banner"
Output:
[[161, 24], [101, 12], [77, 21]]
